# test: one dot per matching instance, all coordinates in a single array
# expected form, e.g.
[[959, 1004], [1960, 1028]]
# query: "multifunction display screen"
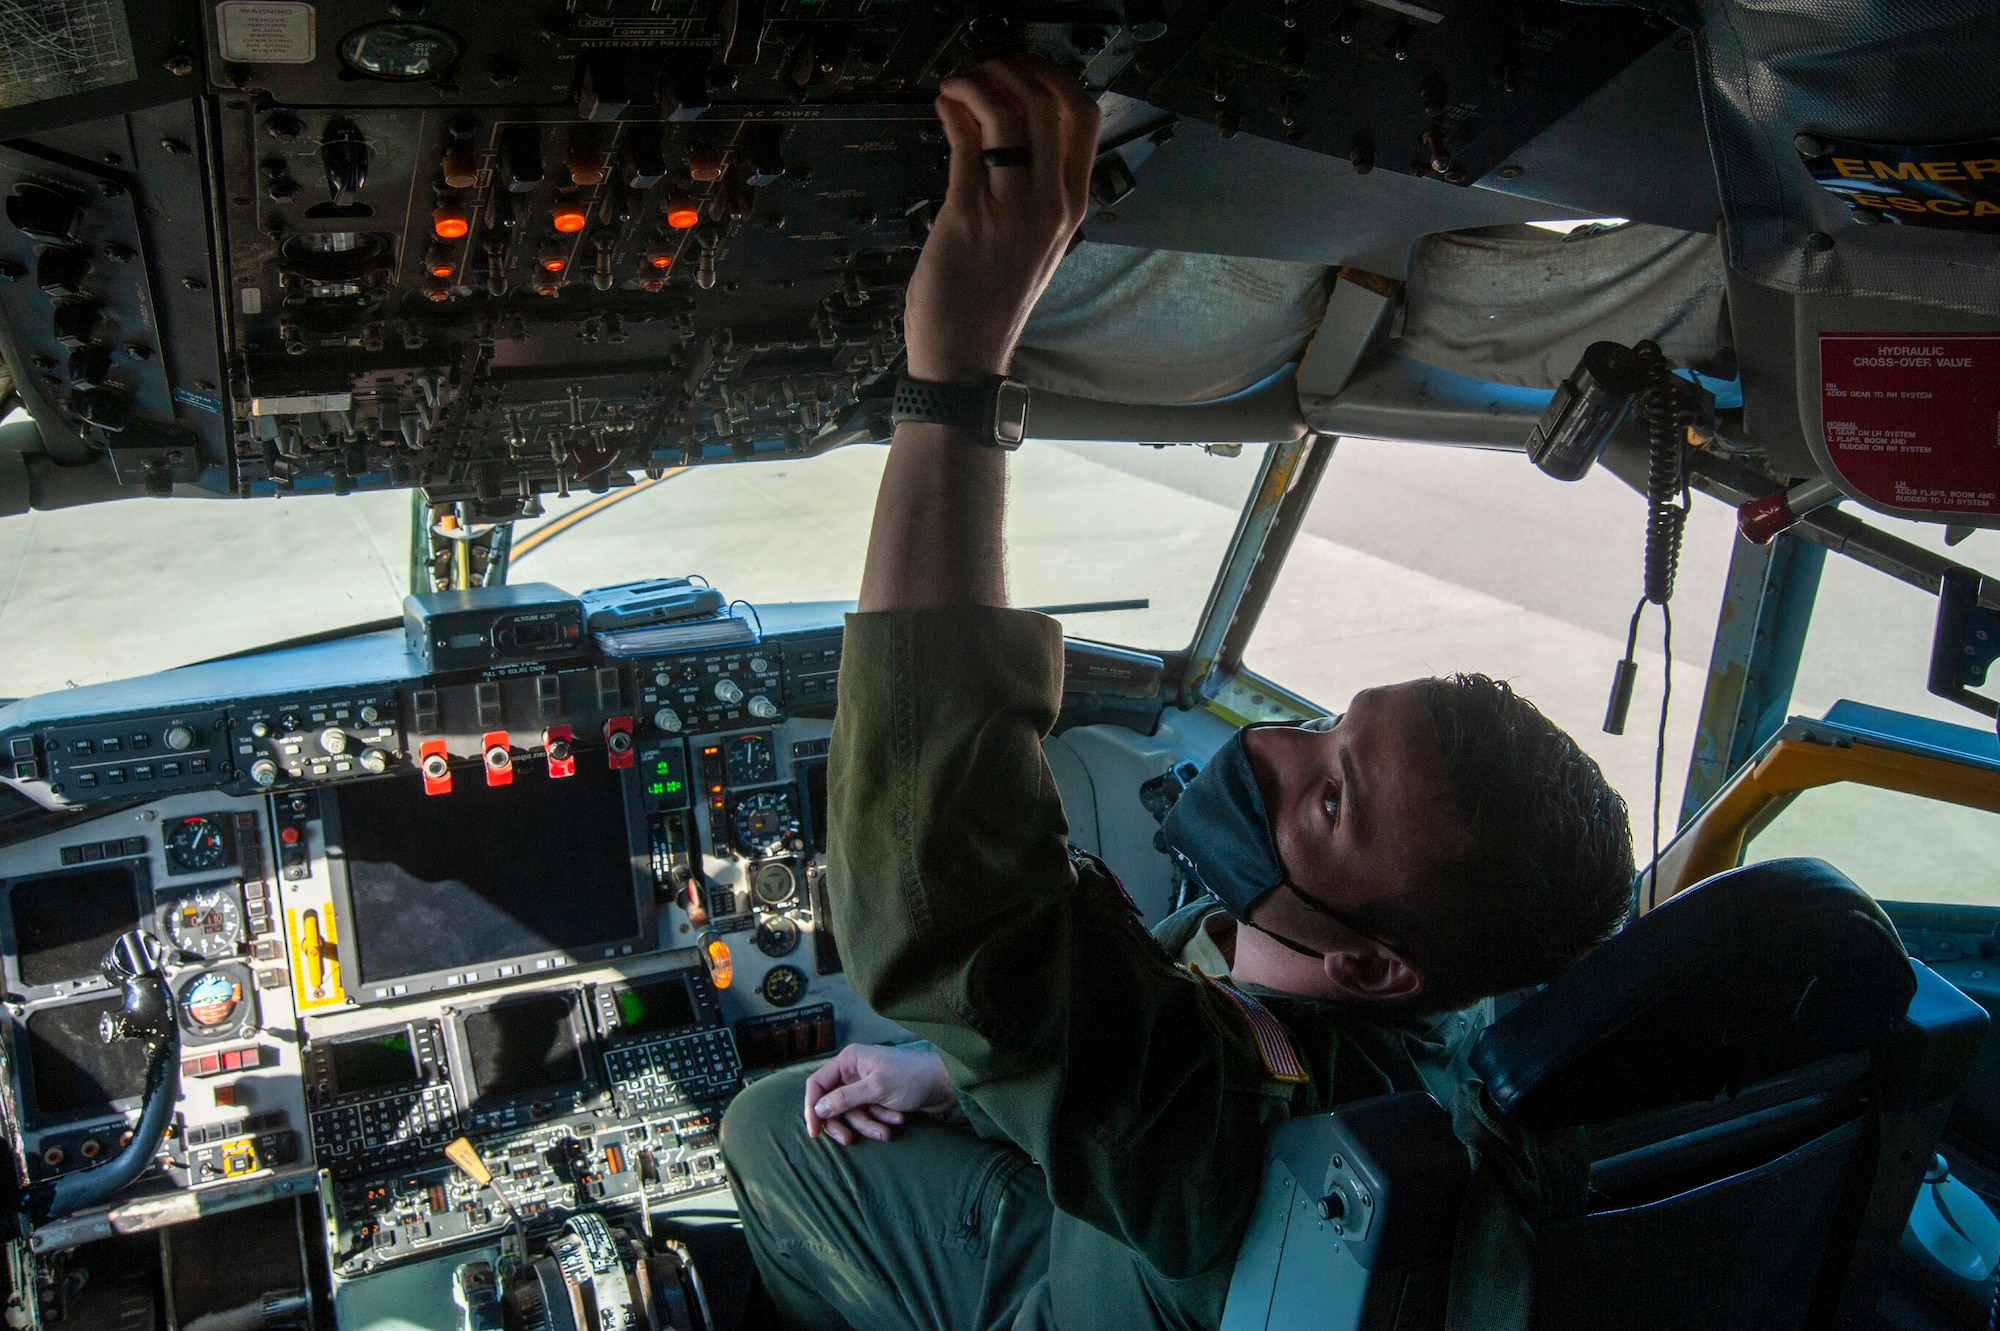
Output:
[[486, 873], [75, 1073], [64, 924], [660, 1005], [374, 1063], [523, 1046]]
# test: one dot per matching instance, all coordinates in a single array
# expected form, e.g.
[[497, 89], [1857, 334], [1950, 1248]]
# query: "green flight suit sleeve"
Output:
[[961, 917]]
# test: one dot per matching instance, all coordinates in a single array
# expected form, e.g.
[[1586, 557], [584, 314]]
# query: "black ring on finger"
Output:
[[999, 157]]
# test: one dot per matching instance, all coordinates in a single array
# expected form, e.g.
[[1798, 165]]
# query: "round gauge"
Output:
[[774, 883], [776, 936], [749, 759], [196, 844], [766, 822], [400, 50], [216, 1005], [207, 923], [783, 986]]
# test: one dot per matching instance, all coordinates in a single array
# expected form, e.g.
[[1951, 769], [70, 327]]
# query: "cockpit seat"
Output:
[[1717, 1120]]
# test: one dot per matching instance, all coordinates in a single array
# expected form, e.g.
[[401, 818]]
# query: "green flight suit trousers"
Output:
[[937, 1230]]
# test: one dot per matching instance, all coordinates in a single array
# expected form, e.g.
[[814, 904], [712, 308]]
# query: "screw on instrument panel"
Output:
[[1510, 172], [180, 64], [1819, 242]]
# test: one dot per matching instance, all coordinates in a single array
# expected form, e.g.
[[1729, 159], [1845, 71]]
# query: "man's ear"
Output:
[[1367, 972]]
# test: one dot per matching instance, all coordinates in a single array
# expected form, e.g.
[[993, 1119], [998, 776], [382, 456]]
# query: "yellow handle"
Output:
[[465, 1155]]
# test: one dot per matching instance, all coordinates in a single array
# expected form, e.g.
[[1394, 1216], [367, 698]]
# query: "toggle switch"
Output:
[[586, 161], [499, 756], [521, 158], [75, 321], [435, 764], [90, 366], [560, 743], [43, 213], [618, 742], [460, 164], [60, 269], [645, 157], [704, 163]]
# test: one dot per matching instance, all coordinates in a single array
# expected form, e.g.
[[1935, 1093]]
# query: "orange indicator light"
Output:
[[450, 223], [569, 216], [721, 966], [682, 215]]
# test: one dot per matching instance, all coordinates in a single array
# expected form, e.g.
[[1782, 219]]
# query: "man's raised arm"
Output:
[[996, 243], [959, 911]]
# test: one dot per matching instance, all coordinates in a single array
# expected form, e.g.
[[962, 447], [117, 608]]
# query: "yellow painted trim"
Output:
[[1716, 839]]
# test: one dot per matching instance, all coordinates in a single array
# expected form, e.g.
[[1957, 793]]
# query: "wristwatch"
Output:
[[993, 411]]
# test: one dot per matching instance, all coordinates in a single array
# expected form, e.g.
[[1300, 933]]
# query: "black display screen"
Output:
[[374, 1063], [63, 925], [485, 873], [74, 1072], [522, 1046], [660, 1005], [816, 803]]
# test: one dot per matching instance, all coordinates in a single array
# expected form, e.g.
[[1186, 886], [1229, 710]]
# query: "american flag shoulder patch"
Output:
[[1274, 1042]]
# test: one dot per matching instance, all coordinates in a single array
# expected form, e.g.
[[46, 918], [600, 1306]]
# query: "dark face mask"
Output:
[[1220, 834]]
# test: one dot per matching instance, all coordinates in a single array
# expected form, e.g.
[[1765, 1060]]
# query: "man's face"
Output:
[[1358, 809]]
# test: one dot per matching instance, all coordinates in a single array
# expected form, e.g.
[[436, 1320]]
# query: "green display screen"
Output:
[[662, 1005]]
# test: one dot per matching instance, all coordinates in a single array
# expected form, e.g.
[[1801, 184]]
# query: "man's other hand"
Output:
[[1003, 229], [868, 1089]]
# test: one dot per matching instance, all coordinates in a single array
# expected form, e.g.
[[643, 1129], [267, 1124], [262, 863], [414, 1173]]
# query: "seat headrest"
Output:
[[1753, 973]]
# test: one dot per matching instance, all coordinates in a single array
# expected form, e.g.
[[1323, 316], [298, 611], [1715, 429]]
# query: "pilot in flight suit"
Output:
[[1116, 1087]]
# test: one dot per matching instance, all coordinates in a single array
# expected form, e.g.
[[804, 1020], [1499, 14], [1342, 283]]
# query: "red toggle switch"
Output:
[[499, 758], [560, 742], [618, 742], [435, 764]]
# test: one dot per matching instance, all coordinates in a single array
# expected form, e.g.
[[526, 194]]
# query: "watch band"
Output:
[[994, 411]]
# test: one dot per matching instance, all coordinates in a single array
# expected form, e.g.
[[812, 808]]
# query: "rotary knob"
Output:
[[759, 666], [369, 716], [762, 708], [729, 691], [374, 760], [260, 729], [179, 738], [264, 772], [333, 740], [668, 719]]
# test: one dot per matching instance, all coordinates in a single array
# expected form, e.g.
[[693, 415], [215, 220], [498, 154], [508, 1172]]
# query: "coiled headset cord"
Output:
[[1666, 480]]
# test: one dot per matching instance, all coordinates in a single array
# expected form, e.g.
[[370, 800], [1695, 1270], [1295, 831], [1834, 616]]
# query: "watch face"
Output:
[[1010, 413]]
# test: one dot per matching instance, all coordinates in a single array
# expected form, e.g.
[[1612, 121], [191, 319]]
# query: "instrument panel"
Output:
[[574, 957]]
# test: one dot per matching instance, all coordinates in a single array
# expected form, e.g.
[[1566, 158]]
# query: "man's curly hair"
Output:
[[1546, 873]]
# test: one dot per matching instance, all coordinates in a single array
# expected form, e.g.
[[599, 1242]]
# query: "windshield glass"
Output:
[[108, 591], [1087, 524]]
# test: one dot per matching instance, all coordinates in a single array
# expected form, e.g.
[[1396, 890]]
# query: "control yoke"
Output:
[[134, 964]]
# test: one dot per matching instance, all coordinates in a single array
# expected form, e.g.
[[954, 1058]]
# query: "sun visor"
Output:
[[1120, 324], [1518, 307], [1855, 143]]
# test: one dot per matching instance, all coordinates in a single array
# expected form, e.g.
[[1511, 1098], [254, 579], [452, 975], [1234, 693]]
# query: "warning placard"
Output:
[[1913, 419], [266, 32]]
